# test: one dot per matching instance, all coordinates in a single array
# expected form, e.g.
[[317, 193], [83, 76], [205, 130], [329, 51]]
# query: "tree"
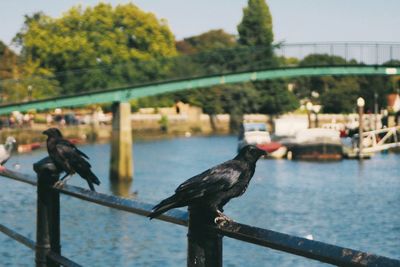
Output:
[[208, 41], [341, 96], [375, 86], [275, 98], [98, 47], [256, 26], [22, 82], [31, 82], [8, 62], [255, 29], [322, 59], [212, 52], [337, 93]]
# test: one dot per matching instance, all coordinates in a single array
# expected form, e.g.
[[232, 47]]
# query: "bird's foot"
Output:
[[2, 168], [222, 219], [59, 184]]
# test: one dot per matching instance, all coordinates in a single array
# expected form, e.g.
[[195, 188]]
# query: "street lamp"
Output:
[[360, 105], [30, 92], [309, 107], [316, 110], [376, 110]]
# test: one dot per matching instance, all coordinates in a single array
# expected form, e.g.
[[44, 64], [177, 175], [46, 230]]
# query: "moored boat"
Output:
[[252, 133], [316, 144]]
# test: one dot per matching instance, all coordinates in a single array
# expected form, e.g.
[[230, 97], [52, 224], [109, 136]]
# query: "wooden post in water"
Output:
[[121, 160]]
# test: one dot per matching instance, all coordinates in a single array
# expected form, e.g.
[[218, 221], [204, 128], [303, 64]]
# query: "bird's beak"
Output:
[[45, 132], [263, 153]]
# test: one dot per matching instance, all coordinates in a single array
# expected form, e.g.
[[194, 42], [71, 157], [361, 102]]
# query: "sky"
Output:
[[293, 20]]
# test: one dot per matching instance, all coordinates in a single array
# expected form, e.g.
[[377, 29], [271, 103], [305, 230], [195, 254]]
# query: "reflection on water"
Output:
[[348, 203], [122, 188]]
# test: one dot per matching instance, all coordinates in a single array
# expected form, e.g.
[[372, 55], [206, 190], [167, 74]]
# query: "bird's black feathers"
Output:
[[213, 188], [68, 158]]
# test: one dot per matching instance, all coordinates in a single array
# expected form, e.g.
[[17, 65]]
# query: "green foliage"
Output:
[[98, 37], [236, 99], [208, 41], [275, 98], [338, 94], [375, 85], [164, 123], [23, 82], [8, 62], [306, 85], [165, 100], [322, 59], [255, 29], [341, 96]]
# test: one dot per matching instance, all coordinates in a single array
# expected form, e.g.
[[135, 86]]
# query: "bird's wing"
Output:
[[70, 153], [217, 179], [72, 146], [4, 155]]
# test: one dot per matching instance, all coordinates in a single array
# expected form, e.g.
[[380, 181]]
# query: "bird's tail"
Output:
[[91, 178], [163, 206]]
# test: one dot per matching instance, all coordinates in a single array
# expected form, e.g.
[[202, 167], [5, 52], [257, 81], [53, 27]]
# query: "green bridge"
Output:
[[127, 93], [121, 160]]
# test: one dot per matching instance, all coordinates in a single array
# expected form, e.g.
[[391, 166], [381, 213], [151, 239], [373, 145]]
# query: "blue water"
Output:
[[348, 203]]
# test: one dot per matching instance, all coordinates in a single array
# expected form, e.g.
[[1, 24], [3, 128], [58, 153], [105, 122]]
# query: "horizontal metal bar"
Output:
[[279, 241], [341, 43], [173, 216], [18, 176], [18, 237], [62, 260], [311, 249], [32, 245]]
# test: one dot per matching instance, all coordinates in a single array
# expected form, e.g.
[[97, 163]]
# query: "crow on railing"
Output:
[[213, 188], [68, 158]]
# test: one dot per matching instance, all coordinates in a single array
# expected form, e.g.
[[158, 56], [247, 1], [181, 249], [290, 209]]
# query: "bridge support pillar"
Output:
[[121, 160]]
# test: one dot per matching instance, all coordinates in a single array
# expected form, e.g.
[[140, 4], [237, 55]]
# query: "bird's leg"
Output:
[[222, 219], [60, 183]]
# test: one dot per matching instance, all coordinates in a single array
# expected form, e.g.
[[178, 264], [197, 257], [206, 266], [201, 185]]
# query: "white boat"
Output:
[[316, 144], [252, 133]]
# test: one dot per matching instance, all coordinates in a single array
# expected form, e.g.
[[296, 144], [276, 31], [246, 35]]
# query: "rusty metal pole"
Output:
[[204, 246], [48, 213]]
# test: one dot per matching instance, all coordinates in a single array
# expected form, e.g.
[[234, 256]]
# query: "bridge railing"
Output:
[[350, 52], [204, 237], [213, 62]]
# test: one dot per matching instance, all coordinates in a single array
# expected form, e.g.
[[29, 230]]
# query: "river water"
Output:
[[348, 203]]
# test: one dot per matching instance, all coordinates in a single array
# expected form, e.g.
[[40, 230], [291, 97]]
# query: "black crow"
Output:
[[213, 188], [68, 158]]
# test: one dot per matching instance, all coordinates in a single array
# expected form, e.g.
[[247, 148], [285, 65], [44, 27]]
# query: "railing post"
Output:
[[48, 213], [204, 245]]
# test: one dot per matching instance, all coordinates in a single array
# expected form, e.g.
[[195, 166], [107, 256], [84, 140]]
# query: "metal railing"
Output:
[[207, 63], [204, 237], [352, 52]]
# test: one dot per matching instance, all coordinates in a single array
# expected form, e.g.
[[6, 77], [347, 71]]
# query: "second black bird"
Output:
[[213, 188], [68, 158]]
